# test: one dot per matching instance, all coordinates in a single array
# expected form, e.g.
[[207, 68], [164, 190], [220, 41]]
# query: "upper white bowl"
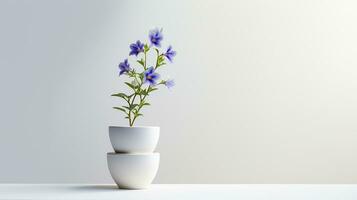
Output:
[[134, 139]]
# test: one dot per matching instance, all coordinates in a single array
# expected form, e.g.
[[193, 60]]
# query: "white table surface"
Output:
[[174, 191]]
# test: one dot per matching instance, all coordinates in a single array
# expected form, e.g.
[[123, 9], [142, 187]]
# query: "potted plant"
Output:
[[134, 163]]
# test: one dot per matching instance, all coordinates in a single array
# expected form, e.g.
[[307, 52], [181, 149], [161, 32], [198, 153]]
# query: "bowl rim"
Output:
[[135, 127], [133, 154]]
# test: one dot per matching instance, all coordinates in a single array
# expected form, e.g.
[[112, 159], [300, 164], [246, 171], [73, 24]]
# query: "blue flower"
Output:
[[155, 37], [124, 67], [136, 48], [170, 53], [150, 76], [169, 83]]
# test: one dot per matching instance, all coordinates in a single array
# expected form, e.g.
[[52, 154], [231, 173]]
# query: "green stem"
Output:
[[145, 60], [136, 93], [129, 118], [138, 109], [131, 122], [157, 61]]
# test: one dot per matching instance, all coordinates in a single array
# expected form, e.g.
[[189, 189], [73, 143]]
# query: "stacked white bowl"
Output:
[[134, 163]]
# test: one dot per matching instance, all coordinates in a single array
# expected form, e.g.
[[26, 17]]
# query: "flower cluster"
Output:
[[146, 80]]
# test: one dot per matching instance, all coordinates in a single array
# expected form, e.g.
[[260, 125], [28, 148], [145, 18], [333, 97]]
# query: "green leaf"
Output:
[[138, 91], [121, 109], [143, 103], [130, 85], [126, 107], [122, 95], [131, 73], [139, 114], [132, 106], [143, 92], [146, 48], [160, 61], [141, 76], [151, 89], [141, 62]]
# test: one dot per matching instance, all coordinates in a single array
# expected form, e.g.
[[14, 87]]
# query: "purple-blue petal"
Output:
[[156, 37], [169, 83], [150, 76], [150, 70], [124, 67], [136, 48], [155, 76], [170, 53]]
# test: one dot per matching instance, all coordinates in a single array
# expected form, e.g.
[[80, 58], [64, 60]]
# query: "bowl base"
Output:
[[132, 188]]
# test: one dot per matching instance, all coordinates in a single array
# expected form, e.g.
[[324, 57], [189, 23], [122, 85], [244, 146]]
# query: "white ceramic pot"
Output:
[[134, 139], [133, 171]]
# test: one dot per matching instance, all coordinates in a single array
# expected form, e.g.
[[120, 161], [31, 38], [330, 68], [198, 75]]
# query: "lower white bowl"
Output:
[[133, 171]]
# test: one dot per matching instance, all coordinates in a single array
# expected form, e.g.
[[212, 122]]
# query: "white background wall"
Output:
[[266, 90]]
